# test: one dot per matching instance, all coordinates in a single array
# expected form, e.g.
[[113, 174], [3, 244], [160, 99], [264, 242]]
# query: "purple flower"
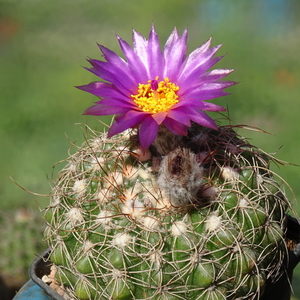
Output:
[[153, 87]]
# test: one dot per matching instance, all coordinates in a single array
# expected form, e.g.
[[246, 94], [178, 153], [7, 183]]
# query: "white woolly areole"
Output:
[[151, 192], [243, 203], [156, 257], [151, 223], [116, 273], [74, 215], [97, 162], [72, 167], [229, 173], [88, 245], [144, 173], [133, 172], [122, 240], [103, 196], [99, 141], [213, 222], [104, 217], [163, 203], [236, 248], [55, 200], [195, 258], [113, 179], [79, 186], [178, 228], [130, 195], [134, 208], [130, 171], [136, 189]]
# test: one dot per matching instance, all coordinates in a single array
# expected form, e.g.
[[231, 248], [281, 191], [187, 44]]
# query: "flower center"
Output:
[[156, 96]]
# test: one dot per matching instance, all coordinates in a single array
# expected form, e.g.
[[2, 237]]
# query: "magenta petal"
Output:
[[175, 56], [216, 85], [155, 57], [189, 79], [137, 68], [175, 127], [202, 118], [105, 72], [102, 89], [207, 106], [212, 107], [103, 110], [160, 117], [114, 59], [140, 47], [179, 116], [109, 72], [170, 43], [197, 58], [122, 124], [133, 114], [215, 75], [201, 88], [147, 132], [204, 95], [117, 102]]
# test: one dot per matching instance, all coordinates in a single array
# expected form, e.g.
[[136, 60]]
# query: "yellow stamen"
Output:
[[154, 100]]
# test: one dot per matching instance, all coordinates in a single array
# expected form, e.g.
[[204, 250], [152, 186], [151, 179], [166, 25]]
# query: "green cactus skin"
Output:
[[201, 218]]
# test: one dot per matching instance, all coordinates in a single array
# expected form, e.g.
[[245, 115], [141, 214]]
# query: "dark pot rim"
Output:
[[40, 267]]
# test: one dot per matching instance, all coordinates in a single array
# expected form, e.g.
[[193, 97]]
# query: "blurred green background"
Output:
[[43, 46]]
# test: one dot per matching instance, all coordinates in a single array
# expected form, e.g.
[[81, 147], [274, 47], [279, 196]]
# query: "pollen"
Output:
[[155, 97]]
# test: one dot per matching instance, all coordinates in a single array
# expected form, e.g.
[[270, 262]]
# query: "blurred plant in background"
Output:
[[20, 235], [44, 43]]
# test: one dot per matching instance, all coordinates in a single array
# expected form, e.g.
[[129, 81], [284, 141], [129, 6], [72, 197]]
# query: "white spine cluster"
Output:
[[122, 240], [74, 215], [178, 228], [229, 174], [79, 187], [213, 222], [134, 208]]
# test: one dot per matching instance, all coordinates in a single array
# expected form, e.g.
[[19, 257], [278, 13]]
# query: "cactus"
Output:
[[201, 218], [167, 204]]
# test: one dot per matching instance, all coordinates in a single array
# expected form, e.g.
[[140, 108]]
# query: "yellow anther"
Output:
[[156, 96]]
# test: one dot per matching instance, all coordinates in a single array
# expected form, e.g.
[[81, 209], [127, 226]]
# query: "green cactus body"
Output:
[[201, 218]]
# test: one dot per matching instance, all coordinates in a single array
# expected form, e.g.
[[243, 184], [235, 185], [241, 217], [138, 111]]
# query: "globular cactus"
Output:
[[167, 204], [201, 218]]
